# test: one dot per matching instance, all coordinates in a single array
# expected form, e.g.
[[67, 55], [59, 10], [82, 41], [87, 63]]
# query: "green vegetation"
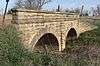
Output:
[[88, 38], [83, 51], [87, 47], [11, 50]]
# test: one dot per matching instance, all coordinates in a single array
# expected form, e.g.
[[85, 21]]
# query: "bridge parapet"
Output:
[[87, 19], [33, 16]]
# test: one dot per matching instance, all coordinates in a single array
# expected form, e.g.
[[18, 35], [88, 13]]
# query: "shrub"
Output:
[[11, 50]]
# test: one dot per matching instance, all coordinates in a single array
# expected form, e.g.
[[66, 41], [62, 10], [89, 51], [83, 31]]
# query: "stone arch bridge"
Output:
[[41, 27]]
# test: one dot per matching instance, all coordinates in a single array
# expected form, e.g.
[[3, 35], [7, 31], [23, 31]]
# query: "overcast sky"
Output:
[[64, 4]]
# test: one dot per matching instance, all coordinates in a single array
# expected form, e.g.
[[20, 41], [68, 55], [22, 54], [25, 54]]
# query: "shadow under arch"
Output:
[[48, 42], [72, 34]]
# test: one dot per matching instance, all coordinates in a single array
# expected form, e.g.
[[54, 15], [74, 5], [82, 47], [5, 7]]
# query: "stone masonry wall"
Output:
[[34, 24], [8, 19]]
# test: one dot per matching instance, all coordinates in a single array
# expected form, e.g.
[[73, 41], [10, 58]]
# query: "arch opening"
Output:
[[72, 34], [48, 42]]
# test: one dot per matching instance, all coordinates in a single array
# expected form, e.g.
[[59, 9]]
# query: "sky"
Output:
[[53, 5], [72, 4]]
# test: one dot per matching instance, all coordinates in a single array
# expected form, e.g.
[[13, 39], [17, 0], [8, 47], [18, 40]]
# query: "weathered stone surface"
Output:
[[34, 24], [7, 20]]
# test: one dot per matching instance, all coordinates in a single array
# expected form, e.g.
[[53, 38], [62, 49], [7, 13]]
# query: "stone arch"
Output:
[[72, 34], [47, 42]]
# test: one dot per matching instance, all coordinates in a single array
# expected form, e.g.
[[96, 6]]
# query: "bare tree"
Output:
[[31, 4], [77, 10], [73, 10], [96, 11], [40, 3]]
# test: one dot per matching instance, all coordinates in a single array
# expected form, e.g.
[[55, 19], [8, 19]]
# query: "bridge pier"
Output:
[[63, 44]]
